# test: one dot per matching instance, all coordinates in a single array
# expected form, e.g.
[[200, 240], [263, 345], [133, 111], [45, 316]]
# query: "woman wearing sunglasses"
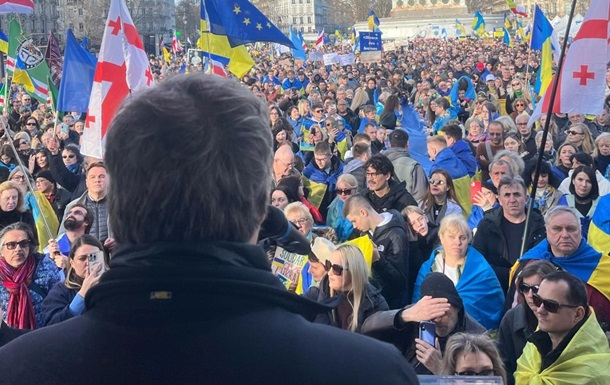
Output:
[[347, 186], [472, 355], [346, 287], [25, 276], [440, 199], [520, 322], [73, 159]]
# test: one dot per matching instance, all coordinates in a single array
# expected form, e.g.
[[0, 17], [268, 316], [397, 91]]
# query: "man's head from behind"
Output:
[[399, 139], [216, 183], [562, 303], [435, 145], [438, 285], [359, 212]]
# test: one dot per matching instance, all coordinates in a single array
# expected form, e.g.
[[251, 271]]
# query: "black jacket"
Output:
[[7, 333], [489, 241], [197, 313], [391, 271], [512, 337], [397, 198], [372, 302], [387, 326]]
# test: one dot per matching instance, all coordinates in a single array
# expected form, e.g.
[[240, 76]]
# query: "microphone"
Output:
[[276, 229]]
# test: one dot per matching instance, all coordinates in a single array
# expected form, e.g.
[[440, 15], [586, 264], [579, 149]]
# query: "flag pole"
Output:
[[545, 132]]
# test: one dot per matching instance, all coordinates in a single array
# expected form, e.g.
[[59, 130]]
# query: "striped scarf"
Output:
[[20, 312]]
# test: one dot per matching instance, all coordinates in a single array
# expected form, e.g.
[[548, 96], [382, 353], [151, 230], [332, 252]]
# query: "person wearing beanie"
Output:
[[441, 303], [58, 197]]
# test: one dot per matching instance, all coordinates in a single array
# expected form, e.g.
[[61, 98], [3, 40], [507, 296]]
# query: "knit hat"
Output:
[[22, 135], [490, 186], [46, 174], [322, 248], [438, 285]]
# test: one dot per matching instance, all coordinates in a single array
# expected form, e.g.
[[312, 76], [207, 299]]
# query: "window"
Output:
[[294, 20], [294, 1], [308, 29], [309, 19], [81, 27], [301, 19], [80, 12]]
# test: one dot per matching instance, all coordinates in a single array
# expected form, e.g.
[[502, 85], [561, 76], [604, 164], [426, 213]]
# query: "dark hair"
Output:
[[453, 131], [594, 193], [73, 281], [290, 195], [399, 139], [73, 149], [292, 183], [541, 268], [381, 164], [360, 149], [89, 217], [577, 292], [322, 148], [545, 169], [184, 211], [391, 103], [428, 201], [7, 150], [582, 158], [442, 102]]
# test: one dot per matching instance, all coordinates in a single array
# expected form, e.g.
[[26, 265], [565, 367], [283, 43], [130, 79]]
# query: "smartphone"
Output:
[[475, 187], [95, 259], [427, 332]]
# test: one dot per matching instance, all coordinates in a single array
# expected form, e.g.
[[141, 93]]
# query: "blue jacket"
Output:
[[287, 84], [448, 161], [336, 220], [478, 287], [462, 150], [364, 122], [62, 304]]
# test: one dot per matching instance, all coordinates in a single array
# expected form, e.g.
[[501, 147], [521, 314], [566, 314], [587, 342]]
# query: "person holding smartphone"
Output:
[[67, 299]]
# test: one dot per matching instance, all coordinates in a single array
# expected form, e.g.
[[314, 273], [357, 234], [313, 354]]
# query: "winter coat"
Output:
[[397, 198]]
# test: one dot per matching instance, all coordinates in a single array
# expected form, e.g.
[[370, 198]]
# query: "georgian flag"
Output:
[[122, 68]]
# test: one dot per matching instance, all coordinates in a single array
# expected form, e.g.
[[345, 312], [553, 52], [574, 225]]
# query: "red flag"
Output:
[[320, 40], [176, 46], [122, 68], [582, 81], [16, 6]]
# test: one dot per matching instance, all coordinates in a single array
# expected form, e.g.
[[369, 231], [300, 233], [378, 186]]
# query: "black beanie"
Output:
[[46, 174], [438, 285]]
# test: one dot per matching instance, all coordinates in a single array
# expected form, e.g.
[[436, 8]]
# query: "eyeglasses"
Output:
[[287, 165], [524, 288], [570, 132], [373, 174], [436, 182], [18, 177], [26, 100], [347, 191], [300, 222], [550, 305], [494, 133], [71, 156], [317, 111], [30, 124], [484, 372], [13, 245], [322, 159], [519, 105], [337, 269]]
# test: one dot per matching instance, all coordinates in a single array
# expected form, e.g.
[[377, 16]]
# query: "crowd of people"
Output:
[[410, 178]]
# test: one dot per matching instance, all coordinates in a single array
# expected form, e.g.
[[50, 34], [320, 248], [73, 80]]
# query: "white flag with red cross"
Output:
[[582, 81], [122, 68]]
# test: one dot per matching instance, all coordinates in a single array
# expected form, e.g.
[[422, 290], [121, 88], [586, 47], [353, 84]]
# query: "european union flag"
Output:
[[242, 23], [76, 77]]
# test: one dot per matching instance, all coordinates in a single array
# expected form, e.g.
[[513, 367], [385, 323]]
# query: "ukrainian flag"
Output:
[[478, 24], [21, 76], [3, 43], [373, 21], [506, 21], [41, 207], [599, 229], [544, 39], [459, 28], [507, 40]]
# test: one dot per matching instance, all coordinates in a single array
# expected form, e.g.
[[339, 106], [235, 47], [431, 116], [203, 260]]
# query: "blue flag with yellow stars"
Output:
[[242, 23]]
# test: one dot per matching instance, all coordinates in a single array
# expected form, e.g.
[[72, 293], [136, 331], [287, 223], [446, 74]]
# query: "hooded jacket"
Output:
[[392, 269], [190, 313], [409, 171], [462, 150]]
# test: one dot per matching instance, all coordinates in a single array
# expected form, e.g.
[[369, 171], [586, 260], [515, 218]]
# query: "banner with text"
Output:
[[370, 41]]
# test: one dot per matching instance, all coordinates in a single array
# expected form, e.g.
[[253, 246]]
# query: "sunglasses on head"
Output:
[[550, 305], [337, 269], [524, 288]]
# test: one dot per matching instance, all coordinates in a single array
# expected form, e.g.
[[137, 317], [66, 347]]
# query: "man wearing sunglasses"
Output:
[[569, 341], [565, 247]]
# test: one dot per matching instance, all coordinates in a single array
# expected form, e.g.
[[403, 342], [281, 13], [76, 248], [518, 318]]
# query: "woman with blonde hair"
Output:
[[580, 136], [472, 355], [347, 186], [346, 287], [360, 99], [304, 106]]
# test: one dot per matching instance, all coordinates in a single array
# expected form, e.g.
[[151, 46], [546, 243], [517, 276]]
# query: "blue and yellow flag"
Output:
[[21, 76], [507, 39], [3, 42], [544, 39], [599, 229], [352, 36], [242, 23], [460, 30], [219, 49], [373, 21], [506, 21], [478, 24]]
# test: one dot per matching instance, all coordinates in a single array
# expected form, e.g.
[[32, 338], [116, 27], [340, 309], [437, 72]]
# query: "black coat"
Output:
[[387, 326], [489, 241], [397, 198], [7, 333], [372, 302], [391, 271], [207, 313], [512, 337]]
